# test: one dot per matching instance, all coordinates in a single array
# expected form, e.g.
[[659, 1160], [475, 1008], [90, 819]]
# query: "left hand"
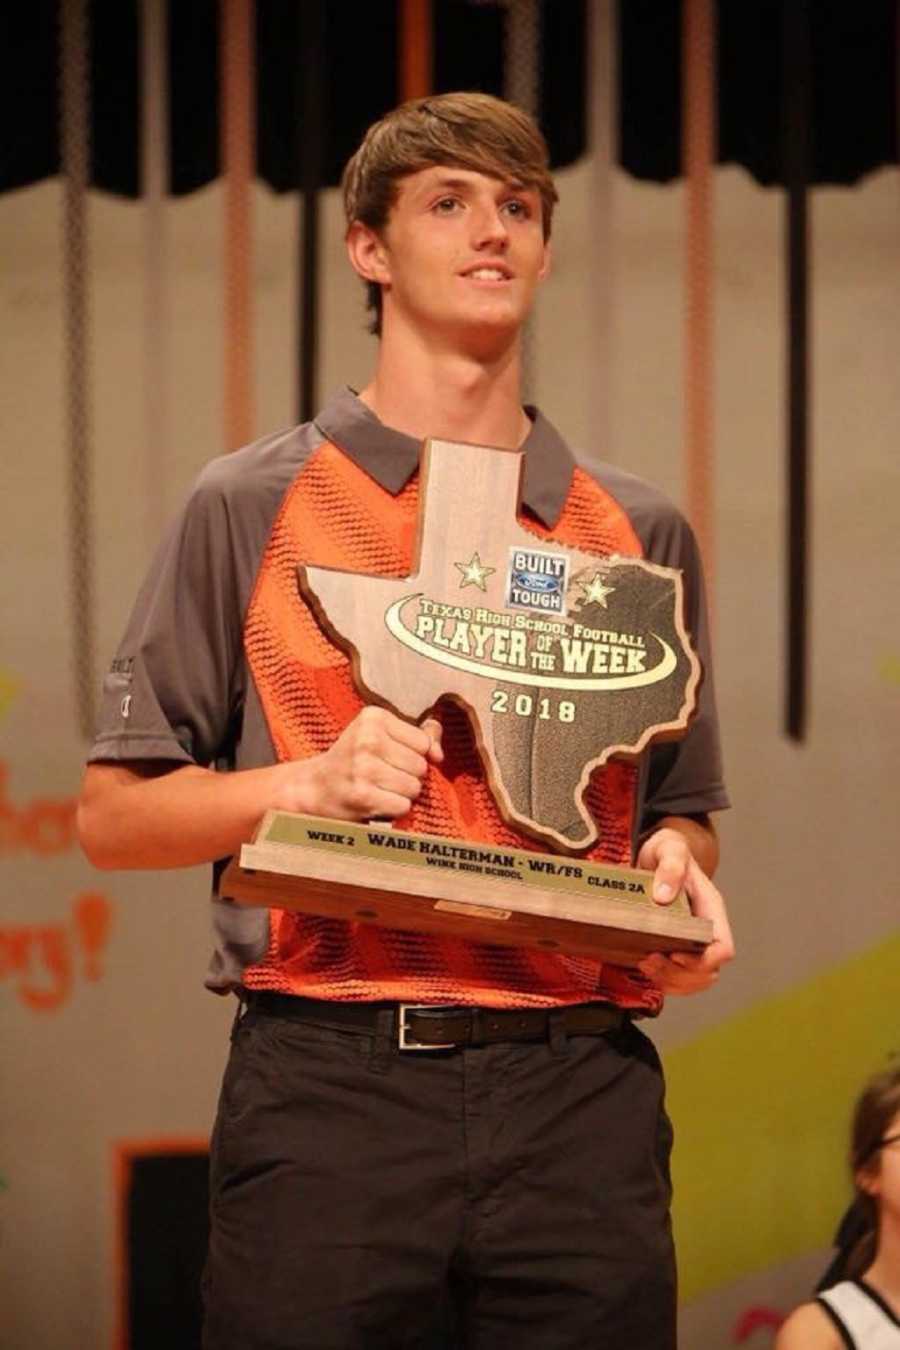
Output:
[[668, 855]]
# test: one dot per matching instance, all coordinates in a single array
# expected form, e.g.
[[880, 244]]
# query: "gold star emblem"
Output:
[[474, 573], [595, 592]]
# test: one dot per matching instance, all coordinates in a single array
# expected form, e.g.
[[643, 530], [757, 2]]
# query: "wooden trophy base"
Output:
[[456, 888]]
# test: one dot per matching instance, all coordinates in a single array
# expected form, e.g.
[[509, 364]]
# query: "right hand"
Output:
[[375, 768]]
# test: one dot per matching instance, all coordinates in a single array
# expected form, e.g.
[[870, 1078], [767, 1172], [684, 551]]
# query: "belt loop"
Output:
[[556, 1032], [240, 1012], [383, 1041]]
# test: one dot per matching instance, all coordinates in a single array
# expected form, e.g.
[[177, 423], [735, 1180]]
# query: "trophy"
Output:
[[561, 659]]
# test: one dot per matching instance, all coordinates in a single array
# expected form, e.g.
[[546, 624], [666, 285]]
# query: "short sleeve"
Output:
[[173, 689], [685, 777]]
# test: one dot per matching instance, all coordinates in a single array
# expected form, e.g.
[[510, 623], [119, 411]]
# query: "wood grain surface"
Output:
[[561, 658]]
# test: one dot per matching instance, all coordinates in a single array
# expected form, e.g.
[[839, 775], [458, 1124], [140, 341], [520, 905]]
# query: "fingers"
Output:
[[667, 854], [394, 754], [683, 972], [377, 766], [435, 731], [707, 902], [670, 873], [374, 728], [382, 728], [368, 802], [400, 743], [384, 761], [375, 772], [362, 788]]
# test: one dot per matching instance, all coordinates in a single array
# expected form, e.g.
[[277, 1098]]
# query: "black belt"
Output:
[[425, 1027]]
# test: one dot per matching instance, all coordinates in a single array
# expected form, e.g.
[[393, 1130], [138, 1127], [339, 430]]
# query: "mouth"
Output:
[[491, 274]]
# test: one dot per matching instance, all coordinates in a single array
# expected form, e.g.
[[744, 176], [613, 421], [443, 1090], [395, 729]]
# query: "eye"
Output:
[[445, 206]]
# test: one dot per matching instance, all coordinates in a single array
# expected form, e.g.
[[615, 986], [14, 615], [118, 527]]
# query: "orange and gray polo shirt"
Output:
[[223, 665]]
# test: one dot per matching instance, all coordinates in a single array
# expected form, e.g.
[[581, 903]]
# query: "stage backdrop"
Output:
[[112, 1050]]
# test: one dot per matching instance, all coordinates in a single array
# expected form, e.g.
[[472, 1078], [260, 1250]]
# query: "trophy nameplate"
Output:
[[561, 659], [484, 892]]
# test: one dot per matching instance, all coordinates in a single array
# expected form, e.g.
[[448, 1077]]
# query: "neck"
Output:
[[425, 389], [884, 1272]]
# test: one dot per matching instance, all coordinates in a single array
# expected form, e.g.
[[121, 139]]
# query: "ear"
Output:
[[868, 1180], [547, 263], [367, 254]]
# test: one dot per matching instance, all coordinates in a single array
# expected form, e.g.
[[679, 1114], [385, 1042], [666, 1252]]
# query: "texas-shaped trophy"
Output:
[[561, 659]]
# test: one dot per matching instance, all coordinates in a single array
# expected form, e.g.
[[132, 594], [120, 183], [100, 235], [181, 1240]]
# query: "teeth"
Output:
[[488, 274]]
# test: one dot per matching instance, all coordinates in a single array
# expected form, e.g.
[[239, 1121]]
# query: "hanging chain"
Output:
[[521, 85], [698, 134], [154, 187], [75, 157], [238, 133]]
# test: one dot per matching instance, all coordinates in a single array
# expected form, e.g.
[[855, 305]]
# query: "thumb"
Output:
[[670, 875], [435, 731]]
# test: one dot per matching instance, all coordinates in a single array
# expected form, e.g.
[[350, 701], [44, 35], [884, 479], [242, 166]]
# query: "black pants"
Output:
[[358, 1191]]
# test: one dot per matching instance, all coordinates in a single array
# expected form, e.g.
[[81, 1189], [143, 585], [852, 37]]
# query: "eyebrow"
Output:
[[510, 184]]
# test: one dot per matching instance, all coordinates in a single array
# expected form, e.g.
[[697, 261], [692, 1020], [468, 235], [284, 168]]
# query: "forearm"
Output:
[[151, 814], [158, 816]]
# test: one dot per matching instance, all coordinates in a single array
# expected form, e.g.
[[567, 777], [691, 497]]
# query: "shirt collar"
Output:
[[391, 457]]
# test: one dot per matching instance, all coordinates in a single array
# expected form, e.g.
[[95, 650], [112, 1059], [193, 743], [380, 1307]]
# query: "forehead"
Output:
[[423, 181]]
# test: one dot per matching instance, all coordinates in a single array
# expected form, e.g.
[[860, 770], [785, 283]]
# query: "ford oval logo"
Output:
[[534, 581]]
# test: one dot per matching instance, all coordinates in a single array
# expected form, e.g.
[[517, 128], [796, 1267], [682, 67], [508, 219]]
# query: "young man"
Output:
[[522, 1170]]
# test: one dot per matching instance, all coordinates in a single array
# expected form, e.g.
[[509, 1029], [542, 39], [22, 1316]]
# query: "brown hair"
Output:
[[878, 1106], [468, 131]]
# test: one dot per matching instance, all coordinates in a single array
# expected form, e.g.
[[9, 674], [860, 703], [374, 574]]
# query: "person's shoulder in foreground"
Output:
[[862, 1308], [809, 1328]]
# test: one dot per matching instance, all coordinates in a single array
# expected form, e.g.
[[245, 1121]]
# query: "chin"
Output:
[[495, 318], [483, 330]]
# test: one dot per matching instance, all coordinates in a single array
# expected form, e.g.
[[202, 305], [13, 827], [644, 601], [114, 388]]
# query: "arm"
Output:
[[808, 1328], [174, 694], [148, 814], [684, 783], [682, 852]]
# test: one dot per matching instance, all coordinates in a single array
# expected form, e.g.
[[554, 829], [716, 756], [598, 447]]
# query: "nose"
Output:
[[489, 228]]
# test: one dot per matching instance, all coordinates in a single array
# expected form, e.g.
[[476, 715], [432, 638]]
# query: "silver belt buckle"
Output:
[[405, 1041]]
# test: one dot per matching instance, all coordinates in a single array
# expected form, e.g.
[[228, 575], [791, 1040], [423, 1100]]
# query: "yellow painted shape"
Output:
[[9, 688], [761, 1107], [889, 669]]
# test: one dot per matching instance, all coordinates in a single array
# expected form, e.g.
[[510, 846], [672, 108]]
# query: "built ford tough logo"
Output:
[[537, 580]]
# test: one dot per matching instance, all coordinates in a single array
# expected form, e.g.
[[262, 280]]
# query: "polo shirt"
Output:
[[223, 665]]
